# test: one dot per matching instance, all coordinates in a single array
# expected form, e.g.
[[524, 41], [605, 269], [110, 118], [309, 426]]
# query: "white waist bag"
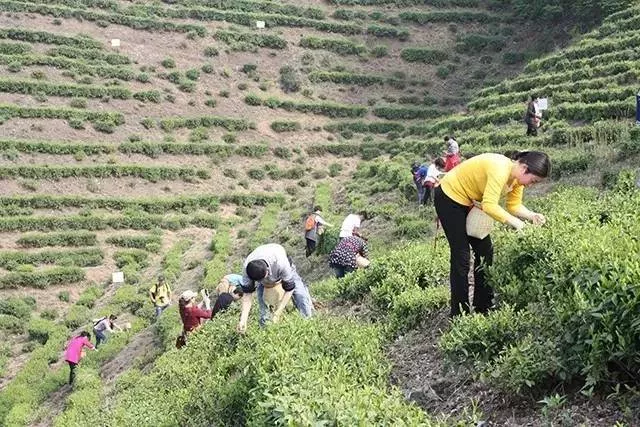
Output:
[[479, 224], [272, 295]]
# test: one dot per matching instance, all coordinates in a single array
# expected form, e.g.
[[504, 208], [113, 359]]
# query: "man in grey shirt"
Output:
[[265, 267]]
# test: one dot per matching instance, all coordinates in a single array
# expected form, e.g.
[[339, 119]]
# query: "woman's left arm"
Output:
[[516, 208]]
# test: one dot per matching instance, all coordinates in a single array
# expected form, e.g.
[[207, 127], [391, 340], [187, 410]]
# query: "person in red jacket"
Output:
[[73, 352], [192, 314]]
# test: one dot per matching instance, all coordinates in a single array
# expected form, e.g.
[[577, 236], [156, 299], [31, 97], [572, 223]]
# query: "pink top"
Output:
[[74, 348]]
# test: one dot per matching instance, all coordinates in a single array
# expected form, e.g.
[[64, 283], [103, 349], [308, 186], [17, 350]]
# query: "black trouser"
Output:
[[532, 129], [453, 217], [311, 247], [72, 371]]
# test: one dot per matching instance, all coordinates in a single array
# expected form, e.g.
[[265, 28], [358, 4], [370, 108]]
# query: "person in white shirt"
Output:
[[432, 180], [351, 225]]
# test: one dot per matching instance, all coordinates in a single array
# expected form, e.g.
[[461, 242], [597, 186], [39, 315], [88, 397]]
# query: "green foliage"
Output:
[[185, 204], [135, 241], [407, 113], [260, 40], [289, 80], [339, 46], [344, 77], [285, 126], [428, 56], [101, 222], [42, 278], [345, 372], [365, 127], [322, 108], [151, 173], [447, 16], [12, 324], [80, 41], [569, 300], [172, 261], [16, 307], [88, 257], [89, 296], [35, 381], [169, 124], [282, 152], [401, 34], [11, 110], [78, 315], [138, 257], [32, 87], [479, 43]]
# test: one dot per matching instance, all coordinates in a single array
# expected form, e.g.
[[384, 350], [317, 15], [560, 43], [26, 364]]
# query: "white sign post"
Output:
[[260, 24], [115, 42], [543, 103], [117, 277]]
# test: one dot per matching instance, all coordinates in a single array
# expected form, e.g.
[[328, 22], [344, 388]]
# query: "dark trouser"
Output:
[[100, 337], [532, 129], [311, 247], [453, 217], [341, 270], [428, 190], [72, 371]]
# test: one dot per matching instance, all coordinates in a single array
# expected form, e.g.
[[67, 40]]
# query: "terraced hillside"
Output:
[[202, 136]]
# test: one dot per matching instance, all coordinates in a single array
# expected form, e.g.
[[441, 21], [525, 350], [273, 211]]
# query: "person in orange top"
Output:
[[484, 178]]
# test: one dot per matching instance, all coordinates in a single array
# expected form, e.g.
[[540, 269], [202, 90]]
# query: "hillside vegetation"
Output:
[[201, 137]]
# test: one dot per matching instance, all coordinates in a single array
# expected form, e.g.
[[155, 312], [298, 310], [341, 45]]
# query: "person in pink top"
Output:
[[73, 352]]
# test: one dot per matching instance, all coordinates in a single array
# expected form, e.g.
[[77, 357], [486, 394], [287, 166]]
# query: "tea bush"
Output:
[[345, 372], [138, 242], [260, 40], [285, 126], [339, 46], [329, 109], [78, 238], [151, 173], [568, 299], [89, 257], [42, 278], [428, 56]]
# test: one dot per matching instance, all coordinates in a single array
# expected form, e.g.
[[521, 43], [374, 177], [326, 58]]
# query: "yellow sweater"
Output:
[[484, 178]]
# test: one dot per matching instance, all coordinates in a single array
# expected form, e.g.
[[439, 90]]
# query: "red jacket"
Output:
[[191, 317]]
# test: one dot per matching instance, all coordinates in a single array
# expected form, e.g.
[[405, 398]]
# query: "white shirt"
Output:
[[453, 148], [432, 173], [350, 222]]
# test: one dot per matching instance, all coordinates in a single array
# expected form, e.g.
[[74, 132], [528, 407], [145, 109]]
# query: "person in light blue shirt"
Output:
[[228, 283]]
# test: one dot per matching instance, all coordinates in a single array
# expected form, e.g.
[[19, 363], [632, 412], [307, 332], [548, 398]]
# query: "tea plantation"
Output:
[[173, 137]]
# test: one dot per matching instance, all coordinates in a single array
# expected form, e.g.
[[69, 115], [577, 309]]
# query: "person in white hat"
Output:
[[190, 313]]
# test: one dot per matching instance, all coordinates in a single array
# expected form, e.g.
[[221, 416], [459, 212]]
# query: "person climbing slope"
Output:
[[73, 352], [313, 229], [484, 179]]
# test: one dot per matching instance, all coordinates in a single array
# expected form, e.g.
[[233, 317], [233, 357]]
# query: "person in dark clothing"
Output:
[[533, 116], [225, 300], [313, 228], [344, 257]]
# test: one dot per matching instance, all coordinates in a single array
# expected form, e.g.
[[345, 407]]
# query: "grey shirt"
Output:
[[279, 267]]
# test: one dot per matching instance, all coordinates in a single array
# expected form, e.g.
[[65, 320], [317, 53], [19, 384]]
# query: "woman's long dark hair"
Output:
[[537, 162]]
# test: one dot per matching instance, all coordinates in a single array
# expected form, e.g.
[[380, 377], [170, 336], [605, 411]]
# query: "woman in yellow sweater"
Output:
[[484, 178]]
